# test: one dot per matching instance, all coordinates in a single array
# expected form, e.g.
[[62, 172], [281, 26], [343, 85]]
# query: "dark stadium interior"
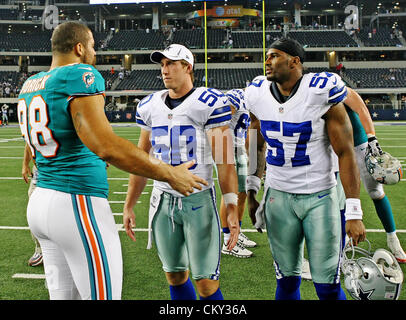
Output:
[[373, 55]]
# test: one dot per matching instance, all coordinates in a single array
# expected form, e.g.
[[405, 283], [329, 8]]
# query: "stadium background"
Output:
[[372, 54]]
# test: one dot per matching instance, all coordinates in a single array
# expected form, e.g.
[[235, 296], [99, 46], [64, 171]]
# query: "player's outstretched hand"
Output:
[[183, 181], [129, 222], [355, 229], [233, 224]]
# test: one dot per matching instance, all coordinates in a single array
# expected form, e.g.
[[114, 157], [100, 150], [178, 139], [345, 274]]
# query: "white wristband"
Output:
[[253, 183], [230, 198], [353, 209]]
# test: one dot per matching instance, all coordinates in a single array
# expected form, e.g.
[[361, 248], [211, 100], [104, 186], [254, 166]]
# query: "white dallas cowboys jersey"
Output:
[[240, 120], [179, 135], [299, 155]]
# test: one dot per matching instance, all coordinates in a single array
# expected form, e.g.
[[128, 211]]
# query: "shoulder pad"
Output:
[[84, 79], [329, 84], [144, 101], [236, 98], [258, 81]]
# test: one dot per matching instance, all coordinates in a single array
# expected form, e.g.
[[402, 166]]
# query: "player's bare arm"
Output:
[[260, 150], [136, 185], [26, 170], [341, 138], [97, 134], [355, 102], [223, 154]]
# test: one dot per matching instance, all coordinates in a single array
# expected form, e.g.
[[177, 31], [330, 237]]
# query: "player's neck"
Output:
[[176, 93], [63, 60], [286, 87]]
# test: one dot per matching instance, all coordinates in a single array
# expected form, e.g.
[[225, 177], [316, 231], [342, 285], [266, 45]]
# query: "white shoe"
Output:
[[395, 247], [247, 243], [238, 251], [306, 275]]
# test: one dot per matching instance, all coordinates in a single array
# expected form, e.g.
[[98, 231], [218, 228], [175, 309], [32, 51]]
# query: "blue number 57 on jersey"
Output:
[[288, 129]]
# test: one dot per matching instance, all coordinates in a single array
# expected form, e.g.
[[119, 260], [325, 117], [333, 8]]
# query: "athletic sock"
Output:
[[384, 211], [343, 233], [288, 288], [327, 291], [184, 291], [215, 296]]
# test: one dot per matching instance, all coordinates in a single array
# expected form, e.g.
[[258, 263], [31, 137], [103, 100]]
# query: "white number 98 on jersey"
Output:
[[33, 122]]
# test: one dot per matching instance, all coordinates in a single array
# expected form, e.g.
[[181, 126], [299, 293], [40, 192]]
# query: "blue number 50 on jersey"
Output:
[[276, 152]]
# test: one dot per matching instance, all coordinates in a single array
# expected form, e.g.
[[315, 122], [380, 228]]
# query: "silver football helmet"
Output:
[[371, 276], [384, 168]]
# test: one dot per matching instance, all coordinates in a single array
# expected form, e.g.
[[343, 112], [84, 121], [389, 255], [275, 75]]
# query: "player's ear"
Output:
[[78, 49], [294, 62]]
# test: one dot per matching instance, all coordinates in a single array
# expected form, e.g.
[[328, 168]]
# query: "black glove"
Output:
[[373, 146]]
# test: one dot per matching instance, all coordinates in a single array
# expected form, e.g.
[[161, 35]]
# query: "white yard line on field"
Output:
[[120, 228], [28, 276], [118, 192], [383, 146], [11, 157], [3, 140], [122, 201], [12, 147]]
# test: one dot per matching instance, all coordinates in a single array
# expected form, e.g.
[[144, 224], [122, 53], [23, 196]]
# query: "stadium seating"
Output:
[[253, 39], [377, 78], [136, 40], [323, 38], [194, 39], [225, 79], [28, 42], [383, 37]]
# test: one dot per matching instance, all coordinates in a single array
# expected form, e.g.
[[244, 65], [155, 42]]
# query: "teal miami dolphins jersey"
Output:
[[64, 162]]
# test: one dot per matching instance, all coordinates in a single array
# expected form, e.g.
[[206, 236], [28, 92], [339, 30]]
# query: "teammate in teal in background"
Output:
[[365, 139], [61, 116]]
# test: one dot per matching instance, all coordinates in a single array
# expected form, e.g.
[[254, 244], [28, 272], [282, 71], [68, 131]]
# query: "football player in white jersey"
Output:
[[179, 124], [239, 124], [302, 120]]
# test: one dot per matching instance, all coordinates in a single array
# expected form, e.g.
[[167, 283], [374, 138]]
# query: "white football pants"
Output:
[[80, 245]]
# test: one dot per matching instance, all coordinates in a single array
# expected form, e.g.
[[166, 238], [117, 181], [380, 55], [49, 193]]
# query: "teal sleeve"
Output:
[[84, 80], [359, 134]]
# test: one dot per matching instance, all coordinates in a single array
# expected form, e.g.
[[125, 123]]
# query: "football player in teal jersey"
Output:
[[61, 116]]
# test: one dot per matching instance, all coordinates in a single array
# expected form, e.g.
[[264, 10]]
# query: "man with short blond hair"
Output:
[[179, 124]]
